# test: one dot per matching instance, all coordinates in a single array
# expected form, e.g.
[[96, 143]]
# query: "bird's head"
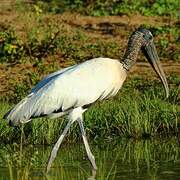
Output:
[[143, 39]]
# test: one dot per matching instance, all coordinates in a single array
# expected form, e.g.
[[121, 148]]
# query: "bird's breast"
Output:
[[112, 78]]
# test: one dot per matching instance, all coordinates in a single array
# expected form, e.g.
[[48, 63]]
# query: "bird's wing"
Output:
[[81, 85], [48, 78]]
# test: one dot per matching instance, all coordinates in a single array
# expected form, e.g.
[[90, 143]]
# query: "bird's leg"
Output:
[[89, 153], [57, 145]]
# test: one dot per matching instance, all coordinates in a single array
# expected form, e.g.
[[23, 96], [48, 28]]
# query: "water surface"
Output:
[[120, 159]]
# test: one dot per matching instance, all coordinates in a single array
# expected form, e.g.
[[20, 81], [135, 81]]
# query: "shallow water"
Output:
[[120, 159]]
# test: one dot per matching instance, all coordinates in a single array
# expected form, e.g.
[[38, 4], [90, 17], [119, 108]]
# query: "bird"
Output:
[[72, 90]]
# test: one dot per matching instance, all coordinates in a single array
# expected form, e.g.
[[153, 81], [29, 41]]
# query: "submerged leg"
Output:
[[89, 153], [57, 145]]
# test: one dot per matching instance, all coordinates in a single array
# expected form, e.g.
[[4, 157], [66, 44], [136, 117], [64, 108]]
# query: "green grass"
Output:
[[140, 110]]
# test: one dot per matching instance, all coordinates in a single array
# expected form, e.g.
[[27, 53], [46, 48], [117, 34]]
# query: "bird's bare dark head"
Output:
[[140, 38], [146, 34], [142, 35]]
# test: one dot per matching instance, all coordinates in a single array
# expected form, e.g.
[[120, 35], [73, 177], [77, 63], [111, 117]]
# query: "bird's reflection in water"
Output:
[[124, 159], [93, 177]]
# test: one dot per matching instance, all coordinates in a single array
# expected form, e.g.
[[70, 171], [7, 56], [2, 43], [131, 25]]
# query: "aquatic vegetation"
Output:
[[121, 158], [42, 43]]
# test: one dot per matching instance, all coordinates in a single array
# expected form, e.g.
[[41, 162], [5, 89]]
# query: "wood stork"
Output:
[[72, 90]]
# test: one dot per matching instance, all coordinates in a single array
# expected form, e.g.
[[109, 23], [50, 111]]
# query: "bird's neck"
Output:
[[130, 56]]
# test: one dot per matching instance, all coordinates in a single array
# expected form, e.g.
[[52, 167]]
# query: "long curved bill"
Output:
[[151, 54]]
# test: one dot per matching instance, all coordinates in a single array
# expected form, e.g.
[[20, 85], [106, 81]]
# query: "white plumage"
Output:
[[72, 87]]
